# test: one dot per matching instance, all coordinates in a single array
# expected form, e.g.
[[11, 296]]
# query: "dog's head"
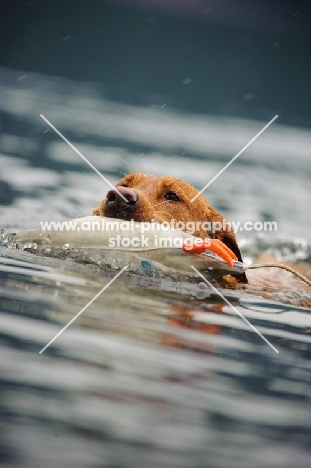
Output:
[[151, 198]]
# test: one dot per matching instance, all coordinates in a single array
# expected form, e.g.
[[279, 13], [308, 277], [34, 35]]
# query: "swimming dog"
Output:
[[148, 198]]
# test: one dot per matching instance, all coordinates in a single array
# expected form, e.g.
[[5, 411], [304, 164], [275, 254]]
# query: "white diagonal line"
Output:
[[83, 157], [82, 310], [233, 159], [236, 310]]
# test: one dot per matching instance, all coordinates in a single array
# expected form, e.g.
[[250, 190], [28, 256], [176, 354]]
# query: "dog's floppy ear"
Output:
[[229, 240]]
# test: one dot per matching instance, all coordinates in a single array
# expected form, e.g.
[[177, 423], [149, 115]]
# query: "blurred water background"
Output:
[[154, 373]]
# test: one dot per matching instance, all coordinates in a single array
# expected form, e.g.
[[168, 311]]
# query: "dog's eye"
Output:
[[172, 196]]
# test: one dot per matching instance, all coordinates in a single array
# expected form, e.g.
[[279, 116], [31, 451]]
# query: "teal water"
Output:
[[154, 373]]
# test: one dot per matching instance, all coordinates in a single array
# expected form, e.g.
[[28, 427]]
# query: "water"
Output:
[[153, 373]]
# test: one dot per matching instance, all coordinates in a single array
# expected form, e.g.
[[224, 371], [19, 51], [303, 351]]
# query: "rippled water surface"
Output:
[[154, 373]]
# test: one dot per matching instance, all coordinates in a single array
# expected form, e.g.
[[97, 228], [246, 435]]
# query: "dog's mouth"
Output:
[[124, 213]]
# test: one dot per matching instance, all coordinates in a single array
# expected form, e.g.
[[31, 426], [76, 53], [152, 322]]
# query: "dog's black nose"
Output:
[[116, 203]]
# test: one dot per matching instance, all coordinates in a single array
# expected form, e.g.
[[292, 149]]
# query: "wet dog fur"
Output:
[[150, 198]]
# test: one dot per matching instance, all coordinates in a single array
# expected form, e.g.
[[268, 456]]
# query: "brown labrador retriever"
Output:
[[166, 199]]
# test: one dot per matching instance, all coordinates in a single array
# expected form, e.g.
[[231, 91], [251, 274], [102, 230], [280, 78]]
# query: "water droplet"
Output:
[[248, 96]]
